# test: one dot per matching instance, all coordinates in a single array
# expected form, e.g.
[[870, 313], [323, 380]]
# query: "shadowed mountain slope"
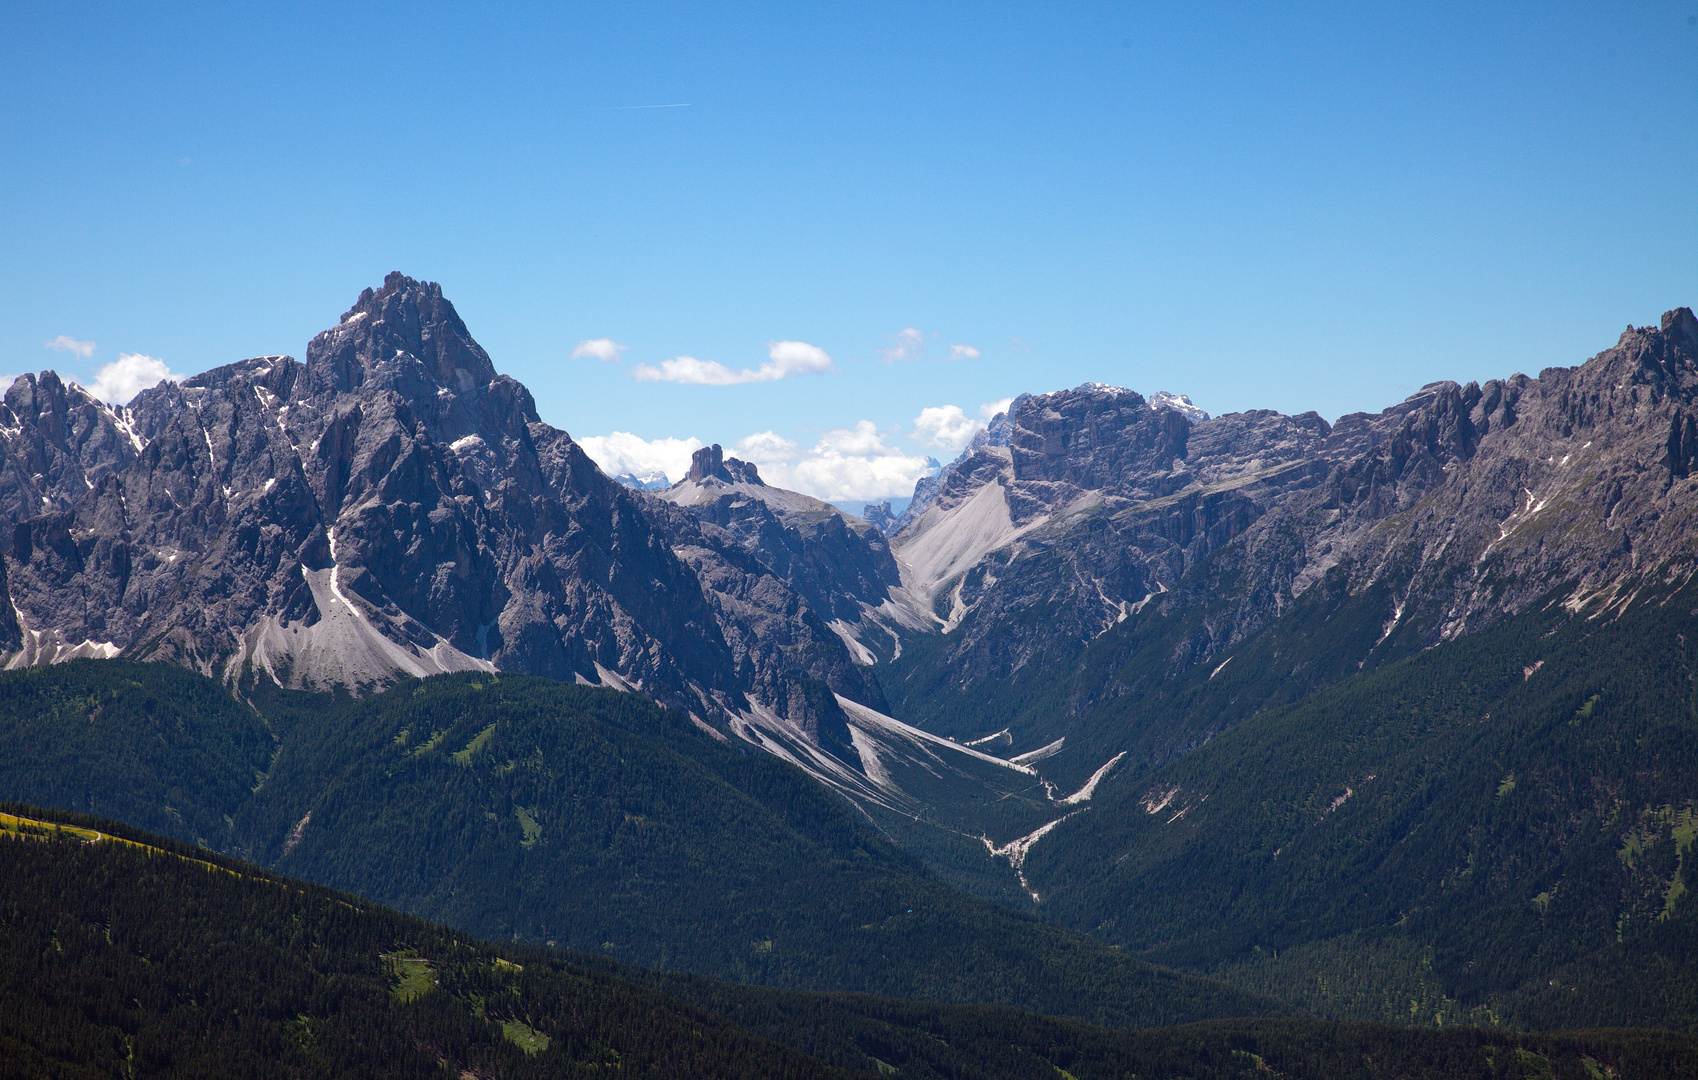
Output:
[[129, 955]]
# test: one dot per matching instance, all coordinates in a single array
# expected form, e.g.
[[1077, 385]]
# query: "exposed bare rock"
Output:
[[56, 442], [393, 505], [1465, 503], [787, 575], [880, 516]]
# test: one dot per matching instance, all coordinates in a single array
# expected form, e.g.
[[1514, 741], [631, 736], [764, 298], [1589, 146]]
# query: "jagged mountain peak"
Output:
[[1094, 436], [394, 506], [1462, 504], [1680, 322], [1104, 388], [405, 319], [60, 440], [649, 481]]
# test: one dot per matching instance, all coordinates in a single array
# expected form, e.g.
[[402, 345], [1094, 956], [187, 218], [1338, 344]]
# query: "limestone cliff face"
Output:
[[1465, 504], [787, 575], [393, 505]]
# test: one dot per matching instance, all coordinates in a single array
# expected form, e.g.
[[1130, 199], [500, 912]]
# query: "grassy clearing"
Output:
[[528, 823], [414, 978], [464, 757], [525, 1037], [34, 828]]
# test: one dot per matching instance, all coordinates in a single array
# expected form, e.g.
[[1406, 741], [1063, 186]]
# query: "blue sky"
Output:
[[1262, 206]]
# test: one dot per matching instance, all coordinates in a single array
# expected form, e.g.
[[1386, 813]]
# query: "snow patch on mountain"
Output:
[[1179, 403]]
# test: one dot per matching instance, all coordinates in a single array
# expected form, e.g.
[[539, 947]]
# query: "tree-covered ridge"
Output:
[[522, 809], [149, 958], [124, 960], [165, 753]]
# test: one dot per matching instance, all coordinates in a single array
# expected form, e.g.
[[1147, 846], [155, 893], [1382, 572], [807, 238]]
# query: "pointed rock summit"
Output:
[[404, 331]]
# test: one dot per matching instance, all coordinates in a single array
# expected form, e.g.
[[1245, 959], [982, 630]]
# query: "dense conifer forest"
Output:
[[129, 955], [1488, 836], [1494, 830], [523, 809]]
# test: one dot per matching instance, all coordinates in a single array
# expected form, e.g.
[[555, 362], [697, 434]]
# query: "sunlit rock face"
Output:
[[1465, 503], [393, 506]]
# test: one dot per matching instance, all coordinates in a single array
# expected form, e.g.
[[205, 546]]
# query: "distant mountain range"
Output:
[[1210, 688]]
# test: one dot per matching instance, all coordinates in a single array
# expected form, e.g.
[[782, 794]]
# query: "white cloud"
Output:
[[963, 352], [859, 441], [687, 369], [604, 349], [66, 343], [910, 345], [766, 447], [836, 478], [846, 465], [946, 427], [785, 358], [796, 358], [128, 376], [623, 452]]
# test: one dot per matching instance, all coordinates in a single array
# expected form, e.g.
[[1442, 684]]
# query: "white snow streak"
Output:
[[1015, 850]]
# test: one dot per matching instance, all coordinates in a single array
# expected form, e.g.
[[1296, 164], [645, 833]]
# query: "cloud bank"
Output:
[[847, 464], [623, 452], [964, 352], [948, 427], [784, 360], [859, 463], [853, 464], [128, 376]]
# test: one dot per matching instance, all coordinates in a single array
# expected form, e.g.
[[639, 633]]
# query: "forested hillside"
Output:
[[126, 955], [1496, 828], [126, 960], [527, 810]]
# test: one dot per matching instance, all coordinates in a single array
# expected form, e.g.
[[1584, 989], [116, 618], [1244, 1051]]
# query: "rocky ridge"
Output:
[[395, 506], [391, 506], [1466, 504]]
